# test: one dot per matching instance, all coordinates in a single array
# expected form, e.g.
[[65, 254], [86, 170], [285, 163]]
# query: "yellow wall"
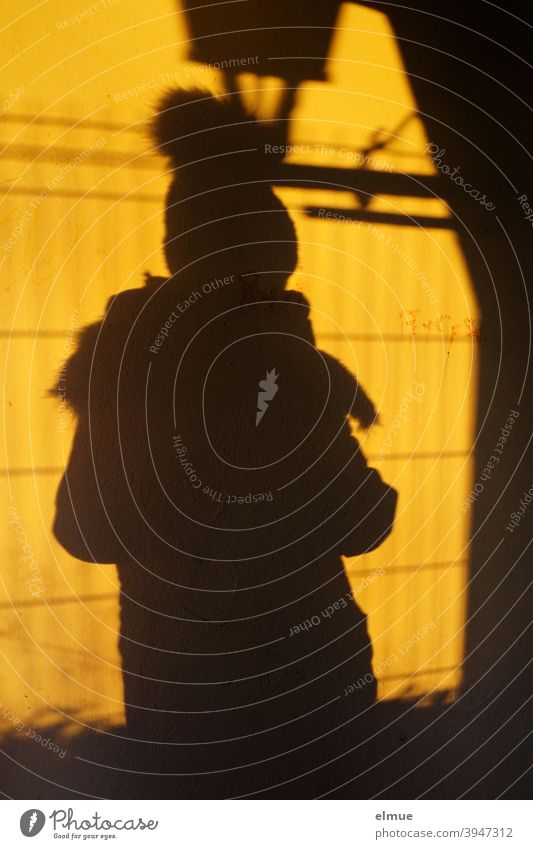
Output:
[[82, 202], [395, 303]]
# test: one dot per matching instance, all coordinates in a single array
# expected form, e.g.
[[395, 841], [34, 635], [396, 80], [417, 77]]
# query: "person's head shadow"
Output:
[[214, 462]]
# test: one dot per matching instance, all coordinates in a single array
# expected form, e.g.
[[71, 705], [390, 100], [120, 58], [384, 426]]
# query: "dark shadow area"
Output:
[[475, 100], [290, 41], [211, 590], [214, 462], [395, 750]]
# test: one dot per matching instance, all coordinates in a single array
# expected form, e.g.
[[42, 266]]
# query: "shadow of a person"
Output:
[[265, 38], [214, 463]]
